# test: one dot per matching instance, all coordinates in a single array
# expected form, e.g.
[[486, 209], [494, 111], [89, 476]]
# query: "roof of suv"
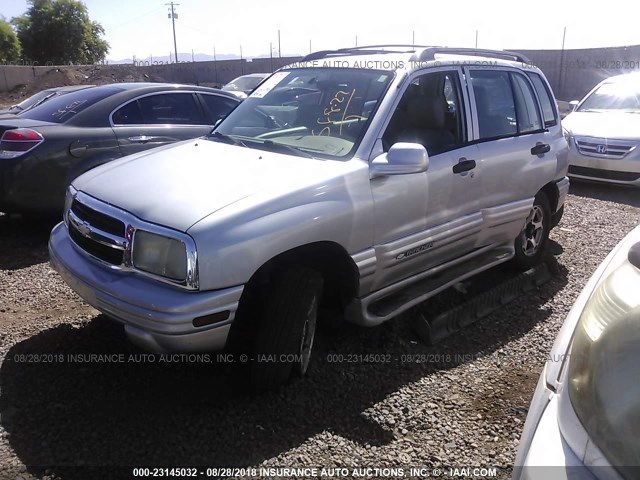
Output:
[[410, 57]]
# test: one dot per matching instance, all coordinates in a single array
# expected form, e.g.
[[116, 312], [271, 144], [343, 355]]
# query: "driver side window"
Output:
[[429, 113]]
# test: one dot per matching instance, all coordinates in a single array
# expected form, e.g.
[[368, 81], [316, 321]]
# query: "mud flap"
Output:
[[436, 328]]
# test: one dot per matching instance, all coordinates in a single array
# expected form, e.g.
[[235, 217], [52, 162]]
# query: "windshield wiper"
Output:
[[281, 146], [227, 138]]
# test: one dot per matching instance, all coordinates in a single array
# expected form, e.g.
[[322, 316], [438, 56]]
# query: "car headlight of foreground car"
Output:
[[159, 255], [602, 377]]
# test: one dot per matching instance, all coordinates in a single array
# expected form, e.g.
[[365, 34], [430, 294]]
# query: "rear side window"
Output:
[[218, 106], [495, 104], [526, 105], [170, 108], [546, 100], [62, 108]]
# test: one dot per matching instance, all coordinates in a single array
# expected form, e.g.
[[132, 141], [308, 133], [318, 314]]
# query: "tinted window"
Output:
[[128, 115], [546, 100], [62, 108], [175, 108], [494, 103], [526, 106], [218, 106]]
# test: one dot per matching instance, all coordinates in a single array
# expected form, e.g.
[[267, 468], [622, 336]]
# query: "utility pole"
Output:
[[279, 50], [476, 38], [215, 64], [271, 55], [173, 15], [413, 38]]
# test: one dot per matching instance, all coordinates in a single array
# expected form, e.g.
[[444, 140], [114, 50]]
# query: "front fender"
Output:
[[231, 252]]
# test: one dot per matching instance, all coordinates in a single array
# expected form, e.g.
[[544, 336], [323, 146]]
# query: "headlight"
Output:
[[159, 255], [567, 136], [68, 200], [603, 368]]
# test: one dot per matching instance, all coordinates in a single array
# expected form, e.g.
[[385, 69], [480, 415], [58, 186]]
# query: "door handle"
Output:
[[464, 165], [142, 139], [540, 149]]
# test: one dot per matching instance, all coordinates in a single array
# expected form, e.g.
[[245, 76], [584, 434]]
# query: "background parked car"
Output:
[[46, 147], [604, 132], [244, 85], [41, 97], [584, 416]]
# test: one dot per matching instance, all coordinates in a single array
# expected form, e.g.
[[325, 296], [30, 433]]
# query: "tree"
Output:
[[60, 31], [9, 44]]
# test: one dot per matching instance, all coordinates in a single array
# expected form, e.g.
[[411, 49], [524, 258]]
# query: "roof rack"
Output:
[[364, 50], [429, 54]]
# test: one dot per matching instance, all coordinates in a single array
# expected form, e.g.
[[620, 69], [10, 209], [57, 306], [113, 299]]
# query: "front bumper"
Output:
[[622, 171], [157, 317]]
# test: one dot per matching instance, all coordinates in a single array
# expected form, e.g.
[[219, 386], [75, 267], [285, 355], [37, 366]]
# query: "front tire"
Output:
[[531, 243], [285, 327]]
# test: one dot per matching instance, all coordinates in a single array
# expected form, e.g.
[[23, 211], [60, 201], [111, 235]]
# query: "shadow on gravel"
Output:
[[602, 191], [59, 411], [23, 241]]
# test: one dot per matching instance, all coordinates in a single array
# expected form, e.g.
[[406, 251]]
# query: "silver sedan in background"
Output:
[[604, 132]]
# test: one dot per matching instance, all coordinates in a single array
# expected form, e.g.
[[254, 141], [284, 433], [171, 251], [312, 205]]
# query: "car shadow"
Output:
[[612, 193], [185, 411], [23, 241]]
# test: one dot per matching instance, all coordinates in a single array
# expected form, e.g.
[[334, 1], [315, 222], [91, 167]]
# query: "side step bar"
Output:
[[434, 329], [381, 306]]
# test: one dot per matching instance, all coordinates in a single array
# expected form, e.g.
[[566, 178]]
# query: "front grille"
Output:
[[98, 250], [97, 233], [97, 219], [604, 174], [604, 148]]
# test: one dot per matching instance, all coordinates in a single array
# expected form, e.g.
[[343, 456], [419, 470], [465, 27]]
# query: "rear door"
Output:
[[513, 149], [158, 119]]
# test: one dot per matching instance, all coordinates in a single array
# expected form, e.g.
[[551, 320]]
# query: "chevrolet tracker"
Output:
[[329, 189]]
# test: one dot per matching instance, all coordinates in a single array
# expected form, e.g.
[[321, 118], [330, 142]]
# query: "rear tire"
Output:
[[285, 327], [531, 244]]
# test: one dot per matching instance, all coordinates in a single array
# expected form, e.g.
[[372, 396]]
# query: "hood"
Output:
[[613, 125], [178, 185]]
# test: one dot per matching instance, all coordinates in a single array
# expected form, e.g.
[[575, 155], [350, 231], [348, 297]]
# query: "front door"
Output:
[[426, 219]]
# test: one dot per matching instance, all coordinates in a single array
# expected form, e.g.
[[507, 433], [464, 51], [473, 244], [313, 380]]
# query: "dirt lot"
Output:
[[462, 404], [86, 75]]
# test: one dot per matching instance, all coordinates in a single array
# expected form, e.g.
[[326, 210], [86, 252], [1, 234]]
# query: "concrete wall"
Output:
[[13, 75], [572, 73]]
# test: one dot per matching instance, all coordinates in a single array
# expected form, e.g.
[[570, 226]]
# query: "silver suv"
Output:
[[365, 180]]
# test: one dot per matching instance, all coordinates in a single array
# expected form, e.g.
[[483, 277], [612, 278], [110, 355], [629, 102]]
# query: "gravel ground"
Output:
[[463, 404]]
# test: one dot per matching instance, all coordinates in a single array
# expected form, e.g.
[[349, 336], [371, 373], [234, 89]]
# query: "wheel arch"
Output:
[[551, 192]]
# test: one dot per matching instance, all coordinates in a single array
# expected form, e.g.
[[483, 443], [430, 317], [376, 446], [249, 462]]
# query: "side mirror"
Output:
[[401, 159], [574, 104]]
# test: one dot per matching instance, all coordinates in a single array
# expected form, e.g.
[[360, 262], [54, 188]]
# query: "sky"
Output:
[[141, 28]]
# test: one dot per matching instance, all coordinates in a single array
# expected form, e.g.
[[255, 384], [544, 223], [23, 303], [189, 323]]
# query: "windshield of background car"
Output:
[[61, 108], [623, 96], [243, 84], [322, 112], [32, 100]]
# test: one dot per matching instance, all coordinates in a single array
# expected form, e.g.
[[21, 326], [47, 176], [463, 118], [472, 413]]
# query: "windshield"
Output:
[[243, 84], [622, 95], [318, 111], [32, 100], [61, 108]]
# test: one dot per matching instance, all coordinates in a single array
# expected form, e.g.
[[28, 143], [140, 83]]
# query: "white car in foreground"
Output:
[[584, 419], [604, 132]]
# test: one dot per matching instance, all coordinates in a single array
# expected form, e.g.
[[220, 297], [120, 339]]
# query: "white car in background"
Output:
[[244, 85], [584, 419], [604, 132]]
